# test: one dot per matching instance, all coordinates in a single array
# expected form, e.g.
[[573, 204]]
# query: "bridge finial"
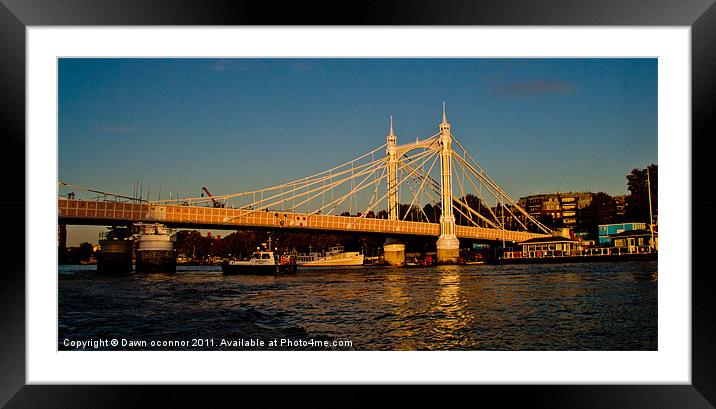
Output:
[[444, 125], [391, 138]]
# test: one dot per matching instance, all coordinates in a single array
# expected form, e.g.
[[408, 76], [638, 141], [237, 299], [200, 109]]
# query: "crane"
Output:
[[216, 203]]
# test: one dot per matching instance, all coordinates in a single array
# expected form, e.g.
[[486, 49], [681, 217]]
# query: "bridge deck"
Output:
[[100, 213]]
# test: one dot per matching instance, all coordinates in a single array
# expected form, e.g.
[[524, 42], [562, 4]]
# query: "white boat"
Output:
[[261, 262], [334, 257]]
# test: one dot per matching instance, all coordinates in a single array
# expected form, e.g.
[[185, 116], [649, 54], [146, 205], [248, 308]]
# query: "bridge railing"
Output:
[[107, 212]]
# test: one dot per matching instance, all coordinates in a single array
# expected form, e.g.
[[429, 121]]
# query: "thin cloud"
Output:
[[538, 87]]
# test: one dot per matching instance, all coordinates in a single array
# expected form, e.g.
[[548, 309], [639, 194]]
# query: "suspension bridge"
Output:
[[373, 187]]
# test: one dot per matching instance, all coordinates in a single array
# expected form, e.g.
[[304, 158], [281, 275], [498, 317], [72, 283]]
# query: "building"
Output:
[[634, 241], [606, 231], [562, 206], [621, 205]]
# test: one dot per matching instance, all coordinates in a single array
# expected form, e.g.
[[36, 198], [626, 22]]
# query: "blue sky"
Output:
[[534, 125]]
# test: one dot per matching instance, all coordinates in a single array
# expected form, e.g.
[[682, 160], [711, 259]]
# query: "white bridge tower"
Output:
[[448, 244], [393, 250], [392, 151]]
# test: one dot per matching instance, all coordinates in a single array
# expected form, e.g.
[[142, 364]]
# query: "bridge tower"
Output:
[[448, 244], [393, 249], [392, 151]]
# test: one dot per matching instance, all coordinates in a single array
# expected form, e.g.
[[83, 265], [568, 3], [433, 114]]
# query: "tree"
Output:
[[548, 221], [602, 210], [477, 205], [637, 203], [187, 242], [430, 212], [410, 213]]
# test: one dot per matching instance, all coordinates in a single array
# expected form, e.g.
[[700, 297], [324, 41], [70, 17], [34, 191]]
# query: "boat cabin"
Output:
[[546, 247], [262, 255], [634, 241]]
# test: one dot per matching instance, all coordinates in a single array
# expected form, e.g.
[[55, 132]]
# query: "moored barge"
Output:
[[564, 250]]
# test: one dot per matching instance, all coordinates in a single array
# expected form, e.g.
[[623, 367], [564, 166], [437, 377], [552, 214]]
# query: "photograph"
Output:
[[357, 204], [220, 200]]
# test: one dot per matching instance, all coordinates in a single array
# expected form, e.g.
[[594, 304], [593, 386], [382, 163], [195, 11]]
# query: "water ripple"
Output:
[[591, 306]]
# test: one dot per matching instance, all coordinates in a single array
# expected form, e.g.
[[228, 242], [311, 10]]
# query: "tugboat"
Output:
[[261, 263]]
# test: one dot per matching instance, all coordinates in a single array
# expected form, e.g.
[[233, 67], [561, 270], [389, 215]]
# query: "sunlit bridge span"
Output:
[[390, 190]]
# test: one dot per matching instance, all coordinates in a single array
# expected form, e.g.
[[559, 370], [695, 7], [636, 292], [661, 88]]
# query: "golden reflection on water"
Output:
[[399, 302], [453, 320], [600, 306]]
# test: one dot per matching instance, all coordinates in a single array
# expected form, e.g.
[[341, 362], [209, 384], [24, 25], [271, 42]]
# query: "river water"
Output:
[[585, 306]]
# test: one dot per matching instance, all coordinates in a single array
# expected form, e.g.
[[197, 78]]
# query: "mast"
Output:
[[502, 215], [651, 215]]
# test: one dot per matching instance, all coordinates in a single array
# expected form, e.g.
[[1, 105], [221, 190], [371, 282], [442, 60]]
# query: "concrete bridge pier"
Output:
[[394, 252], [155, 252], [115, 254], [448, 249]]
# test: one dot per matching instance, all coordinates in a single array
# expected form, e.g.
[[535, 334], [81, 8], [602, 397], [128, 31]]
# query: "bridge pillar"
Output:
[[62, 243], [155, 251], [394, 252], [448, 245], [392, 152], [448, 249], [115, 254]]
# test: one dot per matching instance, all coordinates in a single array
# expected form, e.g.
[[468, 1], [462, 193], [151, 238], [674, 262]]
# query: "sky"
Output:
[[534, 125]]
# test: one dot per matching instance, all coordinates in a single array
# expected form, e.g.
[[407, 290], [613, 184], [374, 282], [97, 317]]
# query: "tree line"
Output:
[[242, 243]]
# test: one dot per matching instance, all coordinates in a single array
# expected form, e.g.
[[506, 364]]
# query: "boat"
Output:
[[421, 261], [581, 258], [567, 250], [261, 263], [183, 259], [334, 257], [475, 260], [412, 262]]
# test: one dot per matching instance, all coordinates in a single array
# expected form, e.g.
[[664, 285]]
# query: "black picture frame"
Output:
[[16, 15]]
